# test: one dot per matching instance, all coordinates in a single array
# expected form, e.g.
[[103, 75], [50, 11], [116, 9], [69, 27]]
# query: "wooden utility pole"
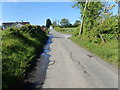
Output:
[[82, 21]]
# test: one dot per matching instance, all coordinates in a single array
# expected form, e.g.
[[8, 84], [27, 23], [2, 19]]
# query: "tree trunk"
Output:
[[81, 26], [103, 39]]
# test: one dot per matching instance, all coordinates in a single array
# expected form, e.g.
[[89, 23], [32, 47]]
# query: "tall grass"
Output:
[[67, 30], [107, 51]]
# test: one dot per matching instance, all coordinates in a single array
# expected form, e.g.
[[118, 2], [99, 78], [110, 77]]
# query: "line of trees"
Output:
[[65, 23]]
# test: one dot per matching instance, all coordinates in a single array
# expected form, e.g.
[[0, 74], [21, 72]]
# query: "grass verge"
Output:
[[107, 51], [67, 30]]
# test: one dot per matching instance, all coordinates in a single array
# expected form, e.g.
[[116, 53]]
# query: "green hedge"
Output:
[[20, 46]]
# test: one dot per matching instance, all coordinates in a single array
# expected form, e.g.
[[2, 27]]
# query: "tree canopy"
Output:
[[48, 23], [77, 22], [65, 23], [98, 20]]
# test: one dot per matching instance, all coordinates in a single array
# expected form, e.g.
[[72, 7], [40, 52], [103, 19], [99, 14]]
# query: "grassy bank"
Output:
[[71, 30], [107, 51], [20, 46]]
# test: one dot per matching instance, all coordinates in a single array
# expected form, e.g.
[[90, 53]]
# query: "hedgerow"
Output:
[[20, 46]]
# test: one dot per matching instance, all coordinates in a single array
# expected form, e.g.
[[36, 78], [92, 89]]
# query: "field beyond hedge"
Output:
[[20, 47]]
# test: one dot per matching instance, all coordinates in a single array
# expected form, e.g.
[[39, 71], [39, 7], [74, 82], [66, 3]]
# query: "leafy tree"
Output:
[[48, 23], [98, 20], [90, 14], [65, 22], [54, 24], [70, 25], [77, 22], [106, 13]]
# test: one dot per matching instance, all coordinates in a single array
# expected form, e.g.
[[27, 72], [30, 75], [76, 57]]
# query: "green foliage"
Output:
[[108, 29], [76, 24], [98, 21], [100, 31], [54, 24], [48, 23], [19, 47], [72, 30], [65, 23], [92, 41], [90, 12], [108, 51], [57, 28]]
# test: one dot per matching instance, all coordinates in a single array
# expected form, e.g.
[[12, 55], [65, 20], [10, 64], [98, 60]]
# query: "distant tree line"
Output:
[[64, 23]]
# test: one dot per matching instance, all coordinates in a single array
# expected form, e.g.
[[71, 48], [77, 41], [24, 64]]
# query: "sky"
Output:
[[36, 0], [38, 12], [54, 0]]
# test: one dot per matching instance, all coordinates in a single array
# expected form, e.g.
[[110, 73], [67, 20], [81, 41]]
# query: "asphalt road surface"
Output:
[[63, 64], [71, 66]]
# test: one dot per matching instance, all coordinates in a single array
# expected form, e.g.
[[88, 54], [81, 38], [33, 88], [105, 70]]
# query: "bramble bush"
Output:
[[20, 46]]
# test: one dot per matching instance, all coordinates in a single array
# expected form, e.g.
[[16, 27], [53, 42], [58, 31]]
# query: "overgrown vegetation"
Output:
[[108, 51], [67, 30], [99, 33], [20, 46]]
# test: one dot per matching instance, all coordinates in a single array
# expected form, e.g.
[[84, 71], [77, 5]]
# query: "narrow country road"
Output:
[[63, 64], [73, 67]]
